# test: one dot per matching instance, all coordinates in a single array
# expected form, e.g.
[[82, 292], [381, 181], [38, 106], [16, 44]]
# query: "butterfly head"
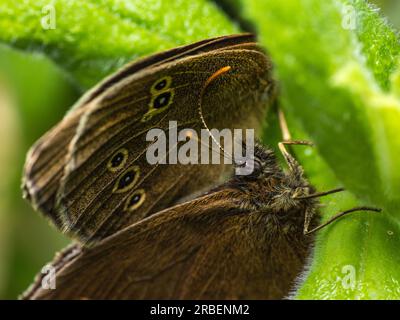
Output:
[[273, 188]]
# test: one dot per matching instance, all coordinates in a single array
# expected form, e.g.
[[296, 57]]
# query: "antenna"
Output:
[[215, 75], [339, 215]]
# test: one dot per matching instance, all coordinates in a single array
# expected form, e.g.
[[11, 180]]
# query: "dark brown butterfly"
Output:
[[89, 173], [246, 239]]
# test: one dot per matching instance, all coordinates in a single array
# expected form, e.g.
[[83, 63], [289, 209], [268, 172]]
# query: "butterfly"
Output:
[[89, 174], [248, 238]]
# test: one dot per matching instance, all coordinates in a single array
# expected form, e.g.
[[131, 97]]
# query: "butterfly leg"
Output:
[[284, 127], [296, 169], [307, 220], [286, 136], [294, 166], [287, 140]]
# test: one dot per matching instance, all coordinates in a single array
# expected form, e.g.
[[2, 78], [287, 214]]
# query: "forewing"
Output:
[[46, 159], [89, 200]]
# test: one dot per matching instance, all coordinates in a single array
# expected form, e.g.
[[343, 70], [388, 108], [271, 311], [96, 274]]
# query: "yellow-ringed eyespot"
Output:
[[161, 84], [135, 200], [127, 180], [118, 160]]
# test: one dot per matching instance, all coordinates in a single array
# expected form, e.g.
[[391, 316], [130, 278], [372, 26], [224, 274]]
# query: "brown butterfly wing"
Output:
[[87, 199], [170, 55], [45, 163], [208, 248], [47, 158]]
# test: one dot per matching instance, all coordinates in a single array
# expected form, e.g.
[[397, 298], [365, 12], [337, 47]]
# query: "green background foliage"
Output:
[[340, 88]]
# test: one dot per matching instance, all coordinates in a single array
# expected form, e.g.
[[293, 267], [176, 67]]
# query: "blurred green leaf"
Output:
[[93, 38], [39, 95]]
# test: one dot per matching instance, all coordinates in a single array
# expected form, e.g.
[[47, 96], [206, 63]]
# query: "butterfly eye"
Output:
[[257, 164], [118, 160], [135, 200], [161, 84], [127, 180]]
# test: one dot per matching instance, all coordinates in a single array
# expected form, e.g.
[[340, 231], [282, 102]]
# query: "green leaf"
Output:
[[338, 65], [340, 88], [93, 38]]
